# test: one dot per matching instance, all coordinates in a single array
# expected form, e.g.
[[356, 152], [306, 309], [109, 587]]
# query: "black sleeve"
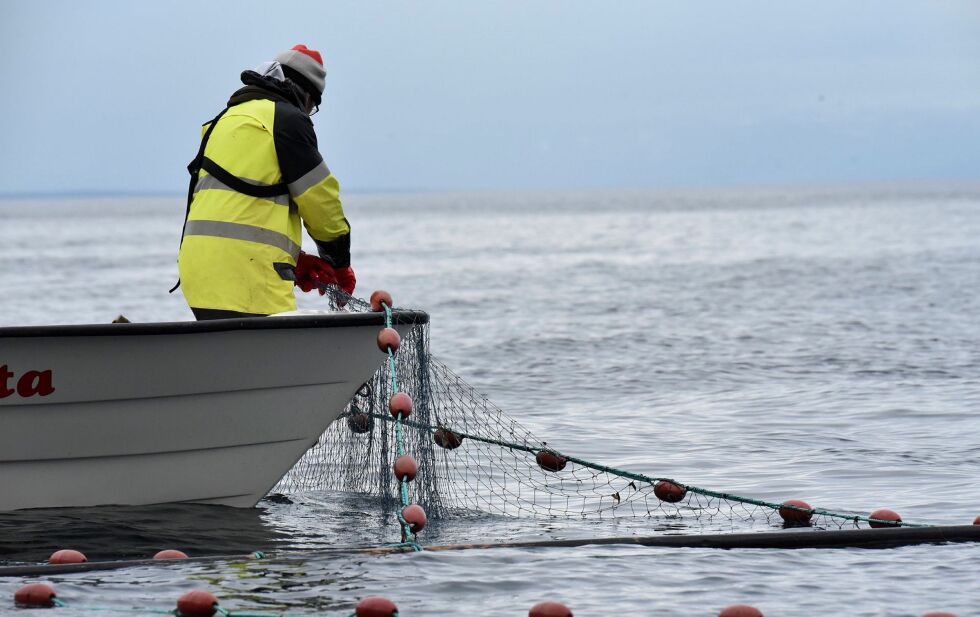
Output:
[[295, 141], [336, 252]]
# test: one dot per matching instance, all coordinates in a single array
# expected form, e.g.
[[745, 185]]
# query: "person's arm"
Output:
[[311, 185]]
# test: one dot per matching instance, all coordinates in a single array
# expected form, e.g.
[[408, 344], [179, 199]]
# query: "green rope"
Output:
[[399, 439], [58, 603], [404, 490], [407, 535], [631, 475], [157, 611]]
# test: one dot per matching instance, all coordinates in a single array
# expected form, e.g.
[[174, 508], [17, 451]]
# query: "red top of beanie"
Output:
[[303, 49]]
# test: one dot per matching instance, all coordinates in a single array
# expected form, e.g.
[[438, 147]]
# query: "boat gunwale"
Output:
[[292, 322]]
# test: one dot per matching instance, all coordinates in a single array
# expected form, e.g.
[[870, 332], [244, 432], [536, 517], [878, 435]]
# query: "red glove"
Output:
[[346, 280], [314, 273]]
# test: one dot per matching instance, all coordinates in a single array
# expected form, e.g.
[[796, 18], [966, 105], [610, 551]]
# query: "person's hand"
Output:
[[346, 280], [314, 273]]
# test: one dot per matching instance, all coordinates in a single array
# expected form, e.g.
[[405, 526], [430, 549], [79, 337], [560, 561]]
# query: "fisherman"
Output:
[[257, 175]]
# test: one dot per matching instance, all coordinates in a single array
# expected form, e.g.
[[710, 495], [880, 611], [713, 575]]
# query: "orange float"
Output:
[[795, 517], [550, 461], [360, 423], [389, 340], [379, 296], [669, 492], [414, 515], [197, 604], [375, 606], [740, 610], [549, 609], [35, 595], [447, 439], [400, 403], [405, 468], [884, 514], [67, 555]]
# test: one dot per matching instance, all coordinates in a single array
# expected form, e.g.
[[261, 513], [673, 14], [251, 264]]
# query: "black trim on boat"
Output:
[[328, 320]]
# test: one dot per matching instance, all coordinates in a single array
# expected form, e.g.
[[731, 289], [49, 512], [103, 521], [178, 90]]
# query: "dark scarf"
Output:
[[259, 87]]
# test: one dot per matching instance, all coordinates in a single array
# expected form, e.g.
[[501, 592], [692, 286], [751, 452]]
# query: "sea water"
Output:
[[816, 343]]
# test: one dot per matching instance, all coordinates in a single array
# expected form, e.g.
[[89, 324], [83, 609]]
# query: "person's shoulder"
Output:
[[292, 118]]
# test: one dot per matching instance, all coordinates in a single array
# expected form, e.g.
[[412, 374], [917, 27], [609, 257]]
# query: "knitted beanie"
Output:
[[304, 66]]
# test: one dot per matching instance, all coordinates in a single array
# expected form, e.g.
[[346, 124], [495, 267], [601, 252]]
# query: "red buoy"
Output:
[[389, 338], [884, 514], [939, 614], [795, 517], [375, 606], [379, 296], [414, 515], [197, 604], [35, 595], [170, 554], [740, 610], [400, 403], [976, 521], [67, 555], [669, 492], [405, 468], [447, 439], [550, 461], [549, 609]]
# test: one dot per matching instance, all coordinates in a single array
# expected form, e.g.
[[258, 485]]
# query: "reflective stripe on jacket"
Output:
[[261, 177]]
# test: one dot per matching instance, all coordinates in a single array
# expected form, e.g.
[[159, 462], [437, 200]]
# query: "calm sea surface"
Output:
[[821, 344]]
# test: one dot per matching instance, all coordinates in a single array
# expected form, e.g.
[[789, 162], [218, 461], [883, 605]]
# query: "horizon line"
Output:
[[906, 183]]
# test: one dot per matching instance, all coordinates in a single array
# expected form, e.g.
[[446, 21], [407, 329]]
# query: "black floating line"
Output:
[[790, 539], [844, 538]]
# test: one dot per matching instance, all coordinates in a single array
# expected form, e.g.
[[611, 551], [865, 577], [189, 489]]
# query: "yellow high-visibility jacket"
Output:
[[260, 175]]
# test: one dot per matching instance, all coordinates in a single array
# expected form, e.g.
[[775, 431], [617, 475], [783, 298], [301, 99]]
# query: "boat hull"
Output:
[[214, 412]]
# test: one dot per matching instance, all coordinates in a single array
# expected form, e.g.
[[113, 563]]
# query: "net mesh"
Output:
[[474, 458]]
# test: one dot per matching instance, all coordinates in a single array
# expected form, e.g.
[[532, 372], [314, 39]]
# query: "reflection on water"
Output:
[[112, 532]]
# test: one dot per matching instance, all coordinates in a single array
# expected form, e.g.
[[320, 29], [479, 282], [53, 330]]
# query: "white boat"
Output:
[[206, 412]]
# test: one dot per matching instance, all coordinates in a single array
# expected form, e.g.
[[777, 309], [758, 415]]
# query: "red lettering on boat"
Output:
[[5, 376], [31, 383]]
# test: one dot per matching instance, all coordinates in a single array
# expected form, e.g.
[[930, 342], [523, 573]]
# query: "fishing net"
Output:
[[472, 457]]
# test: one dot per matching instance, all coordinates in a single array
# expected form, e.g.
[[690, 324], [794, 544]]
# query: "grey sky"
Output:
[[108, 96]]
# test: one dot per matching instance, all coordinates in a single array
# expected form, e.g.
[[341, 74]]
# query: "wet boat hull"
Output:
[[209, 413]]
